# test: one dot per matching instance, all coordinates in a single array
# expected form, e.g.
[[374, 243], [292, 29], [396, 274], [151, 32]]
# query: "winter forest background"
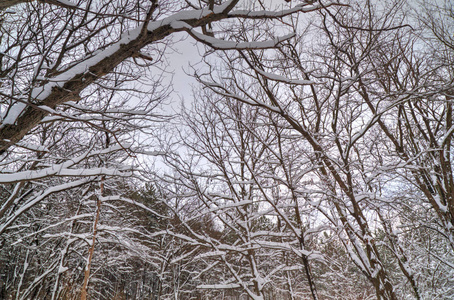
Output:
[[312, 160]]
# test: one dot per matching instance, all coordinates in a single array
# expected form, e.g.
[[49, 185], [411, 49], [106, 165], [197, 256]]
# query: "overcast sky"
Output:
[[186, 53]]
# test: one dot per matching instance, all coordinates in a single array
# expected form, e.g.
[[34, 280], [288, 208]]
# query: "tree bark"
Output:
[[83, 293]]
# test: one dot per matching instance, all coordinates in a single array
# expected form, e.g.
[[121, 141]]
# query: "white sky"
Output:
[[186, 53]]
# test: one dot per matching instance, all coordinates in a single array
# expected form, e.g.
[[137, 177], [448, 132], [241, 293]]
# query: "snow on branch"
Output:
[[220, 286], [246, 14], [39, 198], [5, 4], [279, 78], [130, 201], [55, 171], [219, 44], [226, 93], [64, 169]]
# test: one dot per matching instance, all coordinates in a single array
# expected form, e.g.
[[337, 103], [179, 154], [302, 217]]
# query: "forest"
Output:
[[310, 158]]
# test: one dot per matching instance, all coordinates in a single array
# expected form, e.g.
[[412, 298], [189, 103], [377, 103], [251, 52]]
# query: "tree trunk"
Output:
[[83, 293]]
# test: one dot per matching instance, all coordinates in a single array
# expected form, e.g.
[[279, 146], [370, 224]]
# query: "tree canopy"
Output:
[[313, 160]]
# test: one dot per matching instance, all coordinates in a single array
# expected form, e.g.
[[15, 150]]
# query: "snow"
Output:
[[283, 79], [447, 135], [62, 269], [13, 113], [180, 17], [138, 204], [63, 169], [42, 92], [220, 286], [210, 254], [231, 205], [443, 208], [33, 147], [242, 182], [275, 14], [227, 45], [377, 269], [57, 170], [67, 3], [254, 102]]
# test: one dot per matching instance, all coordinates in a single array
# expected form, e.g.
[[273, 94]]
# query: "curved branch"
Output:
[[5, 4]]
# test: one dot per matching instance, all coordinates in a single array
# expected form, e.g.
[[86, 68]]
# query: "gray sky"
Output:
[[186, 53]]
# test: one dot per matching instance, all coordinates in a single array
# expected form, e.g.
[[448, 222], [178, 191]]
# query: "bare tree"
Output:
[[79, 85], [370, 109]]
